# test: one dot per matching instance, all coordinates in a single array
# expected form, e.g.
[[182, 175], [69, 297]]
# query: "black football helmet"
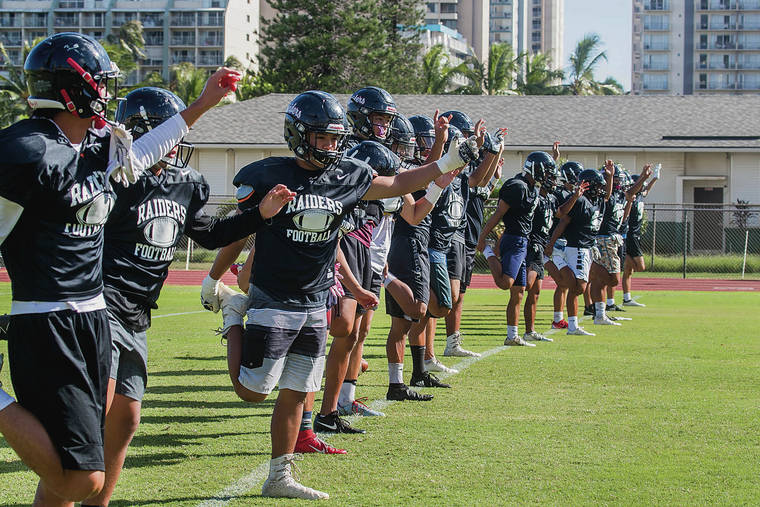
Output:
[[541, 166], [570, 171], [379, 157], [71, 72], [144, 109], [619, 178], [596, 183], [312, 112], [453, 132], [401, 138], [424, 134], [461, 121], [363, 103]]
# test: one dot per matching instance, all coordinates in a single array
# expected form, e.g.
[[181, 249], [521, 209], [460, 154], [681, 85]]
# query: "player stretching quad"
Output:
[[286, 330], [55, 197], [141, 235], [634, 257], [518, 199]]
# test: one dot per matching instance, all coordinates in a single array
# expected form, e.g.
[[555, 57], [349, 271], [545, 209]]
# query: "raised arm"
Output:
[[501, 209], [568, 205], [645, 172], [609, 173]]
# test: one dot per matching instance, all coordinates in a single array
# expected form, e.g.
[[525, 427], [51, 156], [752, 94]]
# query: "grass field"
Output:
[[664, 410]]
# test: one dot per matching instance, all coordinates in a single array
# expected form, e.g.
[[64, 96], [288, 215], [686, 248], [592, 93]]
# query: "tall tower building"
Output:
[[530, 26], [684, 47]]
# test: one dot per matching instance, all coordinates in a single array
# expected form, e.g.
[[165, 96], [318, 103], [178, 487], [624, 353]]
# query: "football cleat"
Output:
[[402, 392], [281, 484], [615, 317], [358, 407], [308, 442], [433, 364], [579, 331], [5, 322], [562, 324], [454, 347], [332, 423], [533, 336], [614, 308], [632, 302], [427, 379], [589, 310], [518, 342], [605, 321]]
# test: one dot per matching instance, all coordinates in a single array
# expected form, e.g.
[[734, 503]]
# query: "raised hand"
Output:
[[480, 132], [555, 150], [275, 199], [580, 189]]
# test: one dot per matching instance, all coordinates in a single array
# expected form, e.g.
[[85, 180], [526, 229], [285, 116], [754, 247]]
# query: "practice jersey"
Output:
[[295, 254], [613, 214], [143, 232], [561, 196], [464, 190], [447, 215], [636, 216], [476, 205], [585, 220], [522, 200], [55, 202], [421, 231], [543, 219]]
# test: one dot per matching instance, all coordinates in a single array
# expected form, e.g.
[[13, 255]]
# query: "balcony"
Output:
[[182, 20], [717, 5], [656, 5], [656, 27], [212, 61], [154, 38], [722, 26], [211, 19], [656, 46], [182, 41], [71, 4], [211, 39], [748, 66], [182, 57], [93, 20], [749, 5], [35, 20], [66, 20], [152, 62], [152, 20], [748, 26], [31, 36], [10, 38], [10, 21], [656, 66]]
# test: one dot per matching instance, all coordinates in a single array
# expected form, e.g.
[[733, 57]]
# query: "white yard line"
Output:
[[176, 314]]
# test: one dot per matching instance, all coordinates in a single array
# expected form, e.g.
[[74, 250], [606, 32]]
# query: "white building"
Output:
[[531, 26]]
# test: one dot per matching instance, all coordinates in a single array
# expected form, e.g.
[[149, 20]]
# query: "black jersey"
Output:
[[475, 209], [143, 232], [613, 214], [447, 215], [295, 254], [561, 196], [464, 190], [543, 219], [522, 200], [421, 231], [636, 216], [585, 220], [54, 251]]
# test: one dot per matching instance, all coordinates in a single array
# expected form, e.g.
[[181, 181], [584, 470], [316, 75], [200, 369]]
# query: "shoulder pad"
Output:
[[25, 142], [243, 193]]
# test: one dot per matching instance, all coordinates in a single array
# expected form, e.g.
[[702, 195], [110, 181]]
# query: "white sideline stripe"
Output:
[[176, 314]]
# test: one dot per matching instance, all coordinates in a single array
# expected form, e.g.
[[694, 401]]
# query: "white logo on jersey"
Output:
[[313, 220], [314, 214], [161, 231], [596, 220], [454, 211], [97, 210], [161, 208]]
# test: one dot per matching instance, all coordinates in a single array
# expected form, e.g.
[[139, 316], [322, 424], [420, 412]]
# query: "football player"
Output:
[[285, 334], [518, 199], [634, 257], [55, 197], [141, 236]]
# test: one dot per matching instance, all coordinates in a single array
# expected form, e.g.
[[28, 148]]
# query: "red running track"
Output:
[[195, 277]]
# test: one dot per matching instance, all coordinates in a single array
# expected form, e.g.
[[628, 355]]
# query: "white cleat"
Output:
[[454, 347], [434, 364], [534, 336], [605, 321], [518, 342], [579, 331], [632, 302], [615, 317], [281, 484]]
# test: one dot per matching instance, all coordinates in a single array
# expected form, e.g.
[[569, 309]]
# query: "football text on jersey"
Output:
[[93, 202], [312, 215], [162, 221]]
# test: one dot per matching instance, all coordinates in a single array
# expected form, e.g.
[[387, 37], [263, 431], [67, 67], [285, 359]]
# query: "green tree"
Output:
[[396, 65], [252, 85], [337, 46], [125, 47], [539, 77], [187, 81], [437, 72], [13, 89], [497, 77], [583, 62], [234, 63], [611, 86]]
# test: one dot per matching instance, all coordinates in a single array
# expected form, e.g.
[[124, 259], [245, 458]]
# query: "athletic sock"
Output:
[[488, 252], [395, 373], [305, 420], [626, 296], [610, 302], [557, 316], [511, 332], [5, 399], [347, 393], [572, 322], [418, 360], [388, 279], [599, 308]]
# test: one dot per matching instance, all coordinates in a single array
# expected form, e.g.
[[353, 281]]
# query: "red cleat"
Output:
[[562, 324], [308, 442]]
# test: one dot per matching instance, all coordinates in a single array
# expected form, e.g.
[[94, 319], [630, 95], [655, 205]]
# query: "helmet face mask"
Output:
[[542, 168], [570, 171], [364, 108], [424, 135], [596, 183], [310, 114], [401, 139]]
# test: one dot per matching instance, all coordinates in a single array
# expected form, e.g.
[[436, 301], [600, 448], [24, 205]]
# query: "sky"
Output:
[[611, 20]]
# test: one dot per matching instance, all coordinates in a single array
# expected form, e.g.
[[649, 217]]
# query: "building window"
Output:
[[431, 6], [703, 81], [448, 8], [655, 81]]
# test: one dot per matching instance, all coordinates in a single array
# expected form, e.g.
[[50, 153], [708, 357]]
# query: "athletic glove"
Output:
[[234, 305], [491, 143], [210, 294], [461, 152], [121, 169], [656, 172]]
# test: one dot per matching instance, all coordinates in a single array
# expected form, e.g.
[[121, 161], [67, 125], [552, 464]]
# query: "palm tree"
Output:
[[494, 79], [583, 62], [131, 38], [437, 72], [539, 78], [13, 90], [611, 86], [187, 81]]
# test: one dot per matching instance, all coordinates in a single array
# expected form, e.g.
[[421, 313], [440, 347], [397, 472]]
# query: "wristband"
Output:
[[433, 192]]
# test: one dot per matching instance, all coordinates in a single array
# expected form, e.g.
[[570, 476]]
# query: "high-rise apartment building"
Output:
[[202, 32], [683, 47], [530, 26], [466, 17]]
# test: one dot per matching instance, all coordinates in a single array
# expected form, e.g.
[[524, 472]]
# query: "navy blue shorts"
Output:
[[513, 250]]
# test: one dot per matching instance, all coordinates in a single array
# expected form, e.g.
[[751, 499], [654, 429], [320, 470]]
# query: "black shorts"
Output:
[[60, 363], [376, 284], [469, 265], [408, 261], [456, 261], [633, 246], [621, 253], [534, 260], [357, 256]]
